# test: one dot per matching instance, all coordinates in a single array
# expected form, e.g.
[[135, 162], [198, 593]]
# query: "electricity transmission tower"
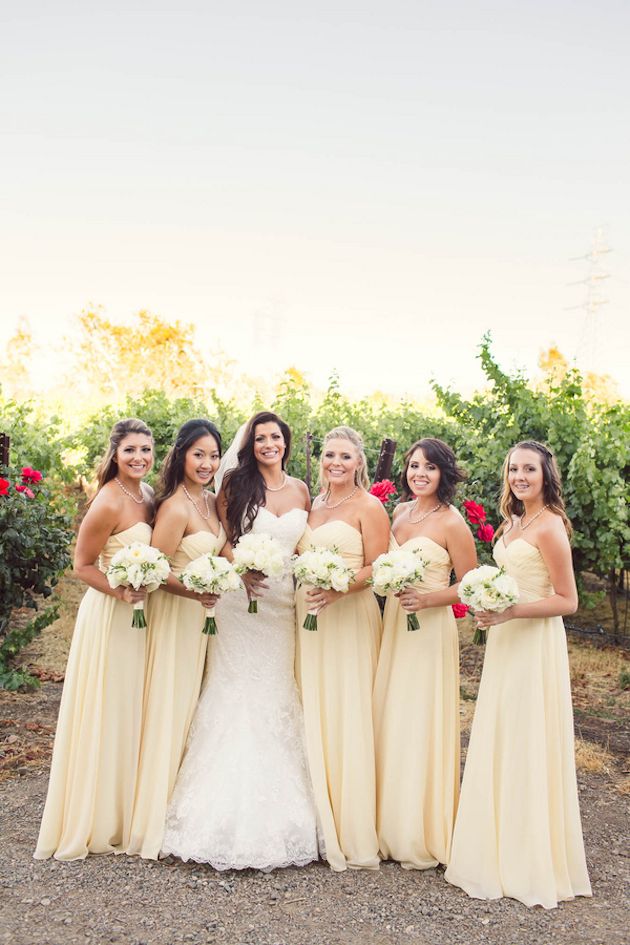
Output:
[[589, 331]]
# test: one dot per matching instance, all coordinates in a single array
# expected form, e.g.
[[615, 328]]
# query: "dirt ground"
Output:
[[121, 899]]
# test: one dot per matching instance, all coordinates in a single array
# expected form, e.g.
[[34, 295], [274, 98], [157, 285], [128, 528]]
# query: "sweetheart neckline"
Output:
[[205, 531], [335, 521], [278, 517], [524, 540], [426, 537], [128, 529]]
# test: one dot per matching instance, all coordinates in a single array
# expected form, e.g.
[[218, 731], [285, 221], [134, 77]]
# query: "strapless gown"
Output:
[[416, 723], [176, 653], [243, 797], [95, 756], [335, 669], [518, 830]]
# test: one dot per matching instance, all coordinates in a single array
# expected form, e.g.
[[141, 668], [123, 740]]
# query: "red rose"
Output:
[[475, 513], [485, 532], [31, 475], [383, 490], [25, 491], [460, 610], [4, 486]]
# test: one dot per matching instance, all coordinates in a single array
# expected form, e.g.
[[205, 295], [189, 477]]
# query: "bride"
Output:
[[243, 797]]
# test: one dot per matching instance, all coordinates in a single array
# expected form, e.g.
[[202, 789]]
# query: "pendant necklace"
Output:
[[277, 488], [139, 501], [204, 496], [418, 521], [341, 501], [532, 520]]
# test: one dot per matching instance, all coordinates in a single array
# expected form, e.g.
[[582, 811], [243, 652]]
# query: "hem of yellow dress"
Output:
[[476, 892]]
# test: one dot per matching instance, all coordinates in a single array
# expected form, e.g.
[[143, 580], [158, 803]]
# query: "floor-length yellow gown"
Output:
[[176, 653], [95, 756], [335, 667], [518, 830], [416, 723]]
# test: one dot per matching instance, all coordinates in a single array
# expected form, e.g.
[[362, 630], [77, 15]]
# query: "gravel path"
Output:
[[136, 902]]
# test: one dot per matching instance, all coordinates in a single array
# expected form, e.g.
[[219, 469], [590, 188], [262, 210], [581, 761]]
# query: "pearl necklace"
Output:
[[532, 520], [139, 501], [277, 488], [197, 509], [341, 501], [418, 521]]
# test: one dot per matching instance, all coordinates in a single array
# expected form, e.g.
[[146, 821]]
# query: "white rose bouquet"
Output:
[[210, 574], [325, 568], [259, 552], [138, 565], [488, 588], [396, 570]]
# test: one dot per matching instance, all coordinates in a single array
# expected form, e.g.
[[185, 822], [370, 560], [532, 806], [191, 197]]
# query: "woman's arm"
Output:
[[553, 544], [97, 526]]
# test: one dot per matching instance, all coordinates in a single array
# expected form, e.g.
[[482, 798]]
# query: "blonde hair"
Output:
[[108, 467], [361, 477], [509, 505]]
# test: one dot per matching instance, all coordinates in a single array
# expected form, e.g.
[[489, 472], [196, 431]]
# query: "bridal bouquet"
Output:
[[325, 568], [396, 570], [210, 574], [258, 552], [488, 588], [138, 565]]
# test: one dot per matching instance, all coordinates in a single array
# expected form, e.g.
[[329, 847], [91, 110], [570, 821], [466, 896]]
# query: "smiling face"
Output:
[[340, 463], [202, 461], [525, 475], [134, 456], [269, 445], [423, 476]]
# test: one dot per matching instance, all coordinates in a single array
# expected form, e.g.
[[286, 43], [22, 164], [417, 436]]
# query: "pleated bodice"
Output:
[[524, 562], [437, 573], [195, 545], [141, 531], [341, 536]]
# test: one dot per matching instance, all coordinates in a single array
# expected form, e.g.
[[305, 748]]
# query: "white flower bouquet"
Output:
[[259, 552], [488, 588], [396, 570], [138, 565], [325, 568], [210, 574]]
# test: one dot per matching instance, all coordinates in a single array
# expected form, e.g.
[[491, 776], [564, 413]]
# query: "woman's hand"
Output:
[[131, 596], [254, 582], [208, 600], [411, 600], [317, 598], [487, 618]]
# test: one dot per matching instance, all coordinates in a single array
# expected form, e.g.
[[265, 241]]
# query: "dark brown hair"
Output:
[[442, 456], [172, 471], [244, 485]]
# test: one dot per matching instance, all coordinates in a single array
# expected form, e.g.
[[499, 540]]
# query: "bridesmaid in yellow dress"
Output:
[[95, 757], [186, 526], [518, 830], [335, 664], [416, 693]]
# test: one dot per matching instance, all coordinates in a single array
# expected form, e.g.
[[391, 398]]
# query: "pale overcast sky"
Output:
[[366, 186]]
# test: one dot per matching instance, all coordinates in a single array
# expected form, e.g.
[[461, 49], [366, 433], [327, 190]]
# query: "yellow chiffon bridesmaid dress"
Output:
[[416, 723], [518, 830], [176, 653], [335, 667], [95, 756]]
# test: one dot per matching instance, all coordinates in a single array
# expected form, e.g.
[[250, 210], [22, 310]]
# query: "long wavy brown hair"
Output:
[[244, 486], [509, 505], [108, 467], [172, 471]]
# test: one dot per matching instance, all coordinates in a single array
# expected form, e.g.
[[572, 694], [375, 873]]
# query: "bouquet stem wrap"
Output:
[[138, 619]]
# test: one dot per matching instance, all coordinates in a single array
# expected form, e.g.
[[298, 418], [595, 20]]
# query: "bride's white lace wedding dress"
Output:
[[243, 796]]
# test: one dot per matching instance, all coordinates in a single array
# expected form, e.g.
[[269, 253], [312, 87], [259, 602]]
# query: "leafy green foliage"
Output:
[[35, 532]]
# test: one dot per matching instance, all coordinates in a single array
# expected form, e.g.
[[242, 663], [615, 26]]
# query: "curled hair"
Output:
[[509, 505], [244, 485], [442, 456], [361, 477], [108, 467], [172, 471]]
